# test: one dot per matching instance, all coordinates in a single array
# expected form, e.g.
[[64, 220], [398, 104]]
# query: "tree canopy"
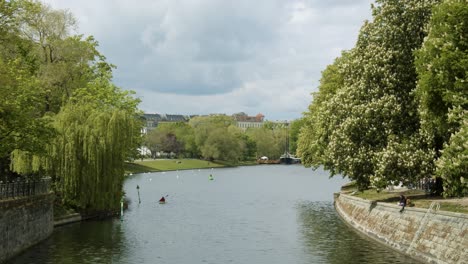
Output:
[[442, 65], [363, 123], [60, 114], [393, 108]]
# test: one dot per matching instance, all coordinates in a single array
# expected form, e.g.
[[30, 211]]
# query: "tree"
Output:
[[63, 63], [153, 141], [452, 166], [217, 137], [442, 65], [176, 137], [269, 141], [186, 135], [294, 131], [375, 108], [21, 125], [324, 115], [97, 131], [249, 147]]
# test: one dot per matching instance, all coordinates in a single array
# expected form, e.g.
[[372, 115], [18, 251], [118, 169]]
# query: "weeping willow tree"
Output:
[[96, 132]]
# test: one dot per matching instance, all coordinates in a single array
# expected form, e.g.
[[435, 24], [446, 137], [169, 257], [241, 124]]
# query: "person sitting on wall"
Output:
[[402, 202]]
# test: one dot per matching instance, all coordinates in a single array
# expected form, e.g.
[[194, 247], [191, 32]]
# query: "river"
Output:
[[255, 214]]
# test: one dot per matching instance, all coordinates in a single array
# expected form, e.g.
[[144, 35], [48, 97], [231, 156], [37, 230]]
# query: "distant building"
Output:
[[244, 121], [153, 120]]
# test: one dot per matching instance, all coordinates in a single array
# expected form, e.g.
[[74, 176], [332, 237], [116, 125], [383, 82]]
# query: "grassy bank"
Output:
[[418, 198], [175, 164]]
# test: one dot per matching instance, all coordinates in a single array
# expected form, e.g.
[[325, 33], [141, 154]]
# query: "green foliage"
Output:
[[404, 162], [21, 127], [62, 63], [442, 65], [322, 118], [59, 114], [365, 110], [167, 137], [96, 134], [249, 148], [294, 130], [270, 141], [452, 166], [217, 138]]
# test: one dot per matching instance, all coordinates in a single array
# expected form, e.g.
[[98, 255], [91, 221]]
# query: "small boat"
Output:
[[287, 158]]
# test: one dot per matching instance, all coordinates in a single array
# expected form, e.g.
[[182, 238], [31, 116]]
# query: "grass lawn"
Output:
[[417, 197], [169, 164]]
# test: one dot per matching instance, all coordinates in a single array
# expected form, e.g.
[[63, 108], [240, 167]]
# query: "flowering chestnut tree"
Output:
[[358, 128]]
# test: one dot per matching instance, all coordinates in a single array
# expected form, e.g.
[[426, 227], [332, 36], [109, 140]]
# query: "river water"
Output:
[[255, 214]]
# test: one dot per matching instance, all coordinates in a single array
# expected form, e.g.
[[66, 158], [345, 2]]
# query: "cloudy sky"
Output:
[[221, 56]]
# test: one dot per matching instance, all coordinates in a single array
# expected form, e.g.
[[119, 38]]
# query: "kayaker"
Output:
[[162, 200]]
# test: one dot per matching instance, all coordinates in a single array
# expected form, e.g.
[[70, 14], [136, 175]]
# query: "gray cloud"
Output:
[[212, 56]]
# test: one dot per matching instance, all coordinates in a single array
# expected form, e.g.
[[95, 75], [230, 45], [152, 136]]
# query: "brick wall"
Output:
[[430, 236], [24, 222]]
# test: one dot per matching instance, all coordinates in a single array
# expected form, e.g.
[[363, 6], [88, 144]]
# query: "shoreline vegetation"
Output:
[[418, 198]]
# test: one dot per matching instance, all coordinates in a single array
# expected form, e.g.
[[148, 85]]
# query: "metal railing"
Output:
[[10, 190]]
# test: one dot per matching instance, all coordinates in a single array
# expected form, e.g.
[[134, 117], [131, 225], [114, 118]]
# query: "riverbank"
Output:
[[150, 165], [419, 199], [426, 234]]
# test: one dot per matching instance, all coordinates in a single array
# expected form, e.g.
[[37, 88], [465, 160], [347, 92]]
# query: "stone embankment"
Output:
[[429, 235], [24, 222], [67, 219]]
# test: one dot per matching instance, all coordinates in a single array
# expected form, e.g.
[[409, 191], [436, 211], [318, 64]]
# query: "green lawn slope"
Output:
[[169, 165]]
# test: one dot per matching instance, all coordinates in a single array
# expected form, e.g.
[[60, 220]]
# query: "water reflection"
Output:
[[258, 214], [102, 241], [324, 234]]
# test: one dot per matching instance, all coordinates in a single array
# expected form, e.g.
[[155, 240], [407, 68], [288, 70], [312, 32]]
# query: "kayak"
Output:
[[162, 202]]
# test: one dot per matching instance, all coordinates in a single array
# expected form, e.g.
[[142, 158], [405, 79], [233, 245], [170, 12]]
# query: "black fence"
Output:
[[19, 189]]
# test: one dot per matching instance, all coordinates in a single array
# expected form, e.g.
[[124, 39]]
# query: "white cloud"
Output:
[[211, 56]]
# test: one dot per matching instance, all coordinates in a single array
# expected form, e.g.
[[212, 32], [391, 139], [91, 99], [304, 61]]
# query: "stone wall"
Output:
[[24, 222], [428, 235]]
